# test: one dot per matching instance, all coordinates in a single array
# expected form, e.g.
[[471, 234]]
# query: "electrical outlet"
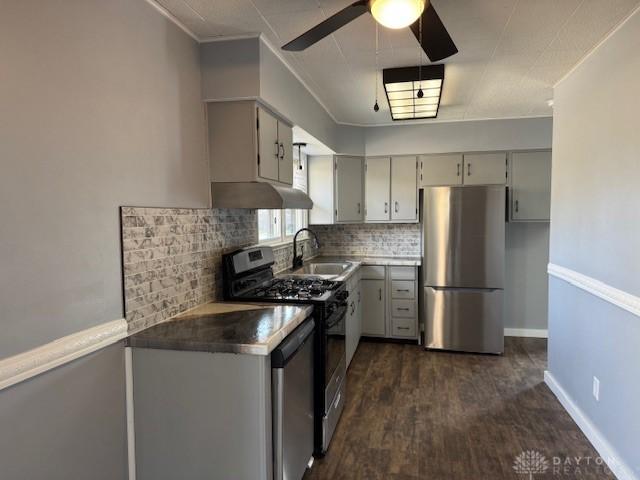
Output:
[[596, 389]]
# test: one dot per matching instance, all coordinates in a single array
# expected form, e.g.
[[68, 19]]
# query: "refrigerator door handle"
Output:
[[463, 289]]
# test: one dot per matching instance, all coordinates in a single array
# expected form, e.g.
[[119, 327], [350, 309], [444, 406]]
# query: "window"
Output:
[[280, 225]]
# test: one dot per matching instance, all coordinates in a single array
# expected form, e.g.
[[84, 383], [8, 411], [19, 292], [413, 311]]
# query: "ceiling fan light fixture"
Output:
[[396, 13]]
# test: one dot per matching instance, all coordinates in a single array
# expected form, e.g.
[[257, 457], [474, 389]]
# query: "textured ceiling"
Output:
[[511, 51]]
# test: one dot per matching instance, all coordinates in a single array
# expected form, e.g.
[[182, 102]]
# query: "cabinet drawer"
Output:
[[373, 272], [403, 327], [403, 273], [403, 308], [402, 289]]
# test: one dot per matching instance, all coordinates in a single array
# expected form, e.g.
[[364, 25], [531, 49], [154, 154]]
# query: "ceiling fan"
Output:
[[433, 36]]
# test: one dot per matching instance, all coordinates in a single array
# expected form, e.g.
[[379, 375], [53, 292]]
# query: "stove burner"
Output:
[[294, 287]]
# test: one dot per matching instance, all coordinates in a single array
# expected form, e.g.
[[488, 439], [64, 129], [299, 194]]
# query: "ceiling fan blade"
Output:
[[328, 26], [436, 41]]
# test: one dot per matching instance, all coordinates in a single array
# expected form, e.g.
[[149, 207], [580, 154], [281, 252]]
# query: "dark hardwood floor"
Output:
[[416, 414]]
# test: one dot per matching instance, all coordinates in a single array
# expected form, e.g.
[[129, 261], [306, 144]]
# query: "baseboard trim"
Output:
[[526, 332], [620, 469], [23, 366], [615, 296]]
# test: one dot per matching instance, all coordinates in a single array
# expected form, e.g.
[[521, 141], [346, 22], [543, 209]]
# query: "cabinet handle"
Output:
[[404, 309], [277, 149], [402, 290], [469, 169], [517, 205], [282, 153], [396, 207], [358, 208], [380, 293], [386, 207], [458, 170]]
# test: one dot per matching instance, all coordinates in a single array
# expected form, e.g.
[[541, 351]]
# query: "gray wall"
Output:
[[230, 69], [101, 107], [595, 230], [483, 135], [67, 424]]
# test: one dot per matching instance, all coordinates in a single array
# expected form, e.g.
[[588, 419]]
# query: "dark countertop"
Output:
[[225, 327]]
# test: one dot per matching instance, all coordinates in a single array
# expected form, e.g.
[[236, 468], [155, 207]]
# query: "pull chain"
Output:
[[420, 92], [375, 106]]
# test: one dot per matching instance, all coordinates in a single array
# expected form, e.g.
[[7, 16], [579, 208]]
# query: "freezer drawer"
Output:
[[464, 319]]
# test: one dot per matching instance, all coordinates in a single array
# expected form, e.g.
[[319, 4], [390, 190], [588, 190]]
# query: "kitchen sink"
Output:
[[336, 269]]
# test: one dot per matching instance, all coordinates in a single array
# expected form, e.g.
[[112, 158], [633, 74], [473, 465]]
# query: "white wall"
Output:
[[595, 231]]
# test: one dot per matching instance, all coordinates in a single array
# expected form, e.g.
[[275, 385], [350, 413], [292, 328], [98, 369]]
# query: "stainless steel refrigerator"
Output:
[[463, 268]]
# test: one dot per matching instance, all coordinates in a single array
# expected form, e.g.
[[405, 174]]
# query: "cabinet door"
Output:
[[268, 146], [349, 189], [530, 186], [373, 308], [485, 169], [351, 327], [320, 170], [285, 139], [358, 313], [404, 189], [440, 170], [377, 188]]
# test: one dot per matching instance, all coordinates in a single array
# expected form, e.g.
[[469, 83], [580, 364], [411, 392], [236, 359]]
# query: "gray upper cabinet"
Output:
[[391, 192], [268, 146], [336, 188], [377, 189], [404, 189], [349, 205], [440, 170], [530, 190], [285, 155], [485, 169], [247, 143]]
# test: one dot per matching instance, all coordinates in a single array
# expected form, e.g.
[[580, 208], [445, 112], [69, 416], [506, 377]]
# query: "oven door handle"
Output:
[[338, 315]]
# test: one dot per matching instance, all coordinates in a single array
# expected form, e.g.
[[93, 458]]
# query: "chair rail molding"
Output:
[[615, 296], [18, 368]]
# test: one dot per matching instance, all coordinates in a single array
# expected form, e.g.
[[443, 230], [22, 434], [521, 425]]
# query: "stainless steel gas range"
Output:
[[248, 277]]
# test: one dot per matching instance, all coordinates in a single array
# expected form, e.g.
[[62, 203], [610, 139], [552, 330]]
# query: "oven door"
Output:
[[334, 352]]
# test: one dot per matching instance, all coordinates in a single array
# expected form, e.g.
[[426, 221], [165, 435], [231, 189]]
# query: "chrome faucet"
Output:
[[297, 259]]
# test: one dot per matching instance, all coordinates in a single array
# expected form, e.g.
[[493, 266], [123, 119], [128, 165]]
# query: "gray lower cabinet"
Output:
[[202, 415], [353, 328], [373, 307], [530, 184]]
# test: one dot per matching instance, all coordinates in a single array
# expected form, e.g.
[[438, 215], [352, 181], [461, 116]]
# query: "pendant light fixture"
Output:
[[300, 145], [376, 107], [420, 93]]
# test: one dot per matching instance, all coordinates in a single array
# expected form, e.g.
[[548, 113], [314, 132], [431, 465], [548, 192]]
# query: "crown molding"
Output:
[[18, 368], [166, 13]]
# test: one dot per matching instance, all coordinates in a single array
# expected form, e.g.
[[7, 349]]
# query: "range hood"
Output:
[[252, 195]]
